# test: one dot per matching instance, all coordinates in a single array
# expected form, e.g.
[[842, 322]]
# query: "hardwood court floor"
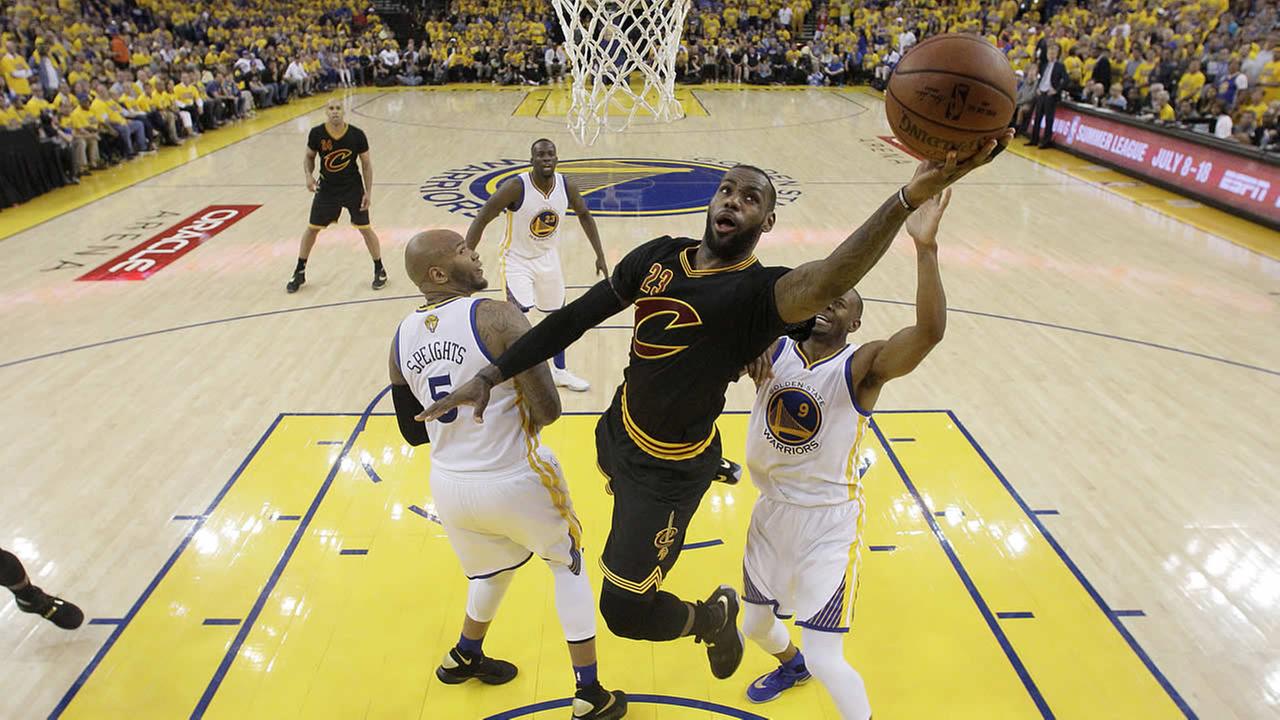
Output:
[[1071, 504]]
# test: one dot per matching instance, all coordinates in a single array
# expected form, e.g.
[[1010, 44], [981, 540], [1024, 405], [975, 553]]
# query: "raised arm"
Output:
[[807, 289], [902, 352], [588, 225], [509, 193], [501, 324], [556, 332]]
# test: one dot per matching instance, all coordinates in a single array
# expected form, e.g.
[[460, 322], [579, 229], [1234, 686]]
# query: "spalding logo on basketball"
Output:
[[793, 415], [950, 92], [544, 224]]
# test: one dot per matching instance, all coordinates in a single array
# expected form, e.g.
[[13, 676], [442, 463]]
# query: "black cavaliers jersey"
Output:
[[338, 156], [695, 330]]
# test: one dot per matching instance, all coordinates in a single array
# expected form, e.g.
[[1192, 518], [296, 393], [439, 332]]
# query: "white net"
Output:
[[622, 55]]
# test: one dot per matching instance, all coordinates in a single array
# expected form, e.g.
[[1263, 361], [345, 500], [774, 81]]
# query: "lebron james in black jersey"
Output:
[[704, 309]]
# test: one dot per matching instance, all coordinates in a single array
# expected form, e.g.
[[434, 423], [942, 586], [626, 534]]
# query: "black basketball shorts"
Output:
[[653, 502], [327, 205]]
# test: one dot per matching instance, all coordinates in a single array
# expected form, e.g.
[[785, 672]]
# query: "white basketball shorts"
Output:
[[803, 561], [534, 282], [497, 522]]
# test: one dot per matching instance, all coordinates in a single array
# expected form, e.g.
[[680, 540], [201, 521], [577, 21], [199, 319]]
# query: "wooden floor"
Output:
[[1073, 501]]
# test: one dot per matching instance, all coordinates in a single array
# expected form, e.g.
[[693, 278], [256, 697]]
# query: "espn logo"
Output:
[[1244, 185], [155, 254]]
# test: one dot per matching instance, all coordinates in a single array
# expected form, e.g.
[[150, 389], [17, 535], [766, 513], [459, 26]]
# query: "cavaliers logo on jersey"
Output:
[[793, 416], [337, 161], [679, 314], [544, 224]]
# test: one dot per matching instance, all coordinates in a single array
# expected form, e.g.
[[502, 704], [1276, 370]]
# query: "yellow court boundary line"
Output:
[[1236, 230]]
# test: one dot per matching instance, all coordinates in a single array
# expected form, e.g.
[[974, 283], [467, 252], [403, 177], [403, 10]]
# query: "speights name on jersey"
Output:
[[438, 350], [794, 418]]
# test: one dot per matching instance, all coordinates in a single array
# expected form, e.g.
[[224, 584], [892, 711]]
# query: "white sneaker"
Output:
[[566, 379]]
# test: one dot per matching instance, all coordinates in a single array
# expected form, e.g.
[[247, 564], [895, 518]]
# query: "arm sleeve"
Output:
[[560, 329], [407, 409]]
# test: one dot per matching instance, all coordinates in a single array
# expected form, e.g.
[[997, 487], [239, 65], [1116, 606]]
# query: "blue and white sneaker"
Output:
[[770, 685]]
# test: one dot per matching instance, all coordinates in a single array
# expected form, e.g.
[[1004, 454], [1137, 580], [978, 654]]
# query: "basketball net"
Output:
[[610, 43]]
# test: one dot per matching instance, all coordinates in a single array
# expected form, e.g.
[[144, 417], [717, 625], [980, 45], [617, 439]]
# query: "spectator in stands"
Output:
[[1053, 80], [1116, 100], [1028, 81]]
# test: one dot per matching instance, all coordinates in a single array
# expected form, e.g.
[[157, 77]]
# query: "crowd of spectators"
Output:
[[1207, 65], [104, 81]]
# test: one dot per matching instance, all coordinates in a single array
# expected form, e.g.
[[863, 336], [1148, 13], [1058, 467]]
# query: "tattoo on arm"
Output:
[[807, 289], [500, 324]]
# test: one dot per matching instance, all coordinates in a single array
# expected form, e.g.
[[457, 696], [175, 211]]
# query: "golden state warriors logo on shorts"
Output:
[[793, 417], [609, 186], [544, 224]]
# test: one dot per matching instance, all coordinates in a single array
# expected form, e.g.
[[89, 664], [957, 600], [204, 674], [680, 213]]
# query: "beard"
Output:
[[738, 243], [474, 281]]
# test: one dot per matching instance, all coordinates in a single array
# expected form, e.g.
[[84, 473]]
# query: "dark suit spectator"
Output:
[[1053, 80]]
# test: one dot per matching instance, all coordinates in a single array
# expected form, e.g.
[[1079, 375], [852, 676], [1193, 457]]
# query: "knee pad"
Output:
[[759, 624], [485, 595], [626, 614]]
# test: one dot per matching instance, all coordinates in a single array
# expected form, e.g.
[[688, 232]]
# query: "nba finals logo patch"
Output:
[[432, 322], [793, 417], [610, 186], [544, 224]]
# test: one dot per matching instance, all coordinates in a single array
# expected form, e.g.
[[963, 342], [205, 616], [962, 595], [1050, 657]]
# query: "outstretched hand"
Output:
[[922, 225], [474, 392], [934, 176]]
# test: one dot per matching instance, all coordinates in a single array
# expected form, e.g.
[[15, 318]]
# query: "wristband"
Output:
[[902, 198]]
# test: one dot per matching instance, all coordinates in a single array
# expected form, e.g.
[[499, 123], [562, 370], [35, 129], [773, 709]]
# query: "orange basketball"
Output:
[[950, 92]]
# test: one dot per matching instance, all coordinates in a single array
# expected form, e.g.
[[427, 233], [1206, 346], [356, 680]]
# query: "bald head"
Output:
[[429, 249]]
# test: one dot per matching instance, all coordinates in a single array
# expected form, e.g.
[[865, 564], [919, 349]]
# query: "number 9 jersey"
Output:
[[438, 349]]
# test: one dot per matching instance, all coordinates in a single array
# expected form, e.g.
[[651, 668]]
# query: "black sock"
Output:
[[377, 267], [301, 268]]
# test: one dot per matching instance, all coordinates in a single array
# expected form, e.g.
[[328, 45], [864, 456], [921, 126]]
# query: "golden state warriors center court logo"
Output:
[[793, 417], [610, 186]]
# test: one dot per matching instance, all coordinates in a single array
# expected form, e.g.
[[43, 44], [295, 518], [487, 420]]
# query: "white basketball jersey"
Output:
[[438, 349], [805, 429], [533, 229]]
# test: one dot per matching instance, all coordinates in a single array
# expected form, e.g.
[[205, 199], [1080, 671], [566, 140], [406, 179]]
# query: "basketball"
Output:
[[950, 92]]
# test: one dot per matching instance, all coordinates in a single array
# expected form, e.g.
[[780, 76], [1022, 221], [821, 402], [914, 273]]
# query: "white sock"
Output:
[[824, 657], [575, 603], [759, 624]]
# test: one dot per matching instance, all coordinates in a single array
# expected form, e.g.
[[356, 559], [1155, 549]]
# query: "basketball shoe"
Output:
[[295, 282], [569, 381], [459, 667], [596, 703], [729, 473], [724, 643], [54, 609], [379, 279], [770, 685]]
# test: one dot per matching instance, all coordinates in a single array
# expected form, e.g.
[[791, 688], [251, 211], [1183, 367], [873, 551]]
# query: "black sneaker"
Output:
[[729, 473], [379, 279], [54, 609], [596, 703], [724, 644], [296, 282], [458, 667]]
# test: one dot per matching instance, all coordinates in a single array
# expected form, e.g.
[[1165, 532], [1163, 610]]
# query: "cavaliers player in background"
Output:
[[536, 203], [32, 599], [704, 310], [339, 145]]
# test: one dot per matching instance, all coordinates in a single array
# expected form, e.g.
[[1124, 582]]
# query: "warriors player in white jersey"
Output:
[[812, 410], [536, 203], [499, 493]]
